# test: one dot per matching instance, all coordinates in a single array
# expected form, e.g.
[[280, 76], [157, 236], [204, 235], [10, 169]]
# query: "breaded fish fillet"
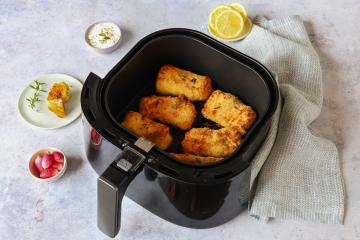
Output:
[[175, 111], [155, 132], [58, 95], [175, 81], [210, 142], [194, 159], [228, 111]]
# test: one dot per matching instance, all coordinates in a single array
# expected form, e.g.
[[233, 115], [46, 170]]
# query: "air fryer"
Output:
[[193, 196]]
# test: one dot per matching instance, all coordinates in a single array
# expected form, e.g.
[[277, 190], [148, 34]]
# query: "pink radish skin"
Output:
[[57, 165], [58, 157], [37, 162], [47, 160], [49, 172]]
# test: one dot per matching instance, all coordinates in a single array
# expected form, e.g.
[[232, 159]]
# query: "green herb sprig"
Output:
[[35, 98]]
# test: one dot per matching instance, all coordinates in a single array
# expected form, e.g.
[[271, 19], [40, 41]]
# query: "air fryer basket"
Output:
[[226, 73], [105, 101]]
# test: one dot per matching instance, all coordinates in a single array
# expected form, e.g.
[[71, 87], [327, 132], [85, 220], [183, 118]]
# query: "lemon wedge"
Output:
[[229, 24], [215, 13], [240, 9]]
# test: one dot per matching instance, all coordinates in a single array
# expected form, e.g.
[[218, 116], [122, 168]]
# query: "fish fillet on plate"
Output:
[[228, 111], [175, 81], [58, 95], [211, 142], [194, 159], [155, 132], [175, 111]]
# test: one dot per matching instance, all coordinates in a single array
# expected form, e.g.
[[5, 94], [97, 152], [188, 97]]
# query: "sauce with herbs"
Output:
[[103, 35]]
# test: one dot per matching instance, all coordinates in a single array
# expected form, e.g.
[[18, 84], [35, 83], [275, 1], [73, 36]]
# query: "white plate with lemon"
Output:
[[33, 105], [229, 22]]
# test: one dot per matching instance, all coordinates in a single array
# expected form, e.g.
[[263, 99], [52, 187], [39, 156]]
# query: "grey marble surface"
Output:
[[39, 37]]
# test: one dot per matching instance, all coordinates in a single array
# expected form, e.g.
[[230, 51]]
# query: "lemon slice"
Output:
[[229, 24], [215, 13], [239, 8], [216, 34], [245, 32]]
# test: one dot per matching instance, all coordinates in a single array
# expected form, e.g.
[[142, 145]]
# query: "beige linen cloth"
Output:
[[298, 173]]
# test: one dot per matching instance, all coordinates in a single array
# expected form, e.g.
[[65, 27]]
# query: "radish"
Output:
[[47, 160], [58, 157], [57, 165], [49, 172], [38, 160]]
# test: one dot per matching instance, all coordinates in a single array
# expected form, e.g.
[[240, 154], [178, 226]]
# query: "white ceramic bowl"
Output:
[[102, 50], [34, 172]]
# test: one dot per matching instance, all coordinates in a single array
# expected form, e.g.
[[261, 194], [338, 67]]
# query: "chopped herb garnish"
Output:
[[181, 101], [193, 80], [105, 36], [35, 98], [182, 76]]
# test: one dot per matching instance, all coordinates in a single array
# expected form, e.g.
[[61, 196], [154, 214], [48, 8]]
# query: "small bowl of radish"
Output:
[[47, 164]]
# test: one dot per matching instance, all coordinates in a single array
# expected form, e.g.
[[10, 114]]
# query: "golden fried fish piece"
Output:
[[228, 111], [58, 95], [155, 132], [175, 81], [175, 111], [194, 159], [211, 142]]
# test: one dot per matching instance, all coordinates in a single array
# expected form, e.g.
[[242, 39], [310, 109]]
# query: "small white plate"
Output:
[[247, 30], [44, 118]]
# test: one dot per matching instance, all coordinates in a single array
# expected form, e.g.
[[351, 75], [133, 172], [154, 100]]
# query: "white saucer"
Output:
[[44, 118], [247, 30]]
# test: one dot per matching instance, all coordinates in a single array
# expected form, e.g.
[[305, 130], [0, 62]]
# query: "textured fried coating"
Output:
[[211, 142], [58, 95], [155, 132], [175, 111], [228, 111], [175, 81], [194, 159]]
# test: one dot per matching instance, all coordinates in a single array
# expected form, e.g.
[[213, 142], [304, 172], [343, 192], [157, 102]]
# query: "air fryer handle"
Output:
[[112, 185], [92, 81]]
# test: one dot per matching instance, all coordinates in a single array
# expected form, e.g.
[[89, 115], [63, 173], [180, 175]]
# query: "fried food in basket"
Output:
[[211, 142], [228, 111], [194, 159], [175, 81], [175, 111], [155, 132], [58, 95]]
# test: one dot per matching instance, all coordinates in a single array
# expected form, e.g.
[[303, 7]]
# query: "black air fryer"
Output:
[[187, 195]]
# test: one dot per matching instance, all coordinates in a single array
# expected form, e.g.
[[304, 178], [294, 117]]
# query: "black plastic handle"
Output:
[[90, 87], [94, 112], [113, 182], [89, 100], [112, 185]]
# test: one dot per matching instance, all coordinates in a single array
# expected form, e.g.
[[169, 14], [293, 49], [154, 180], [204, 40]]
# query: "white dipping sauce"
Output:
[[103, 35]]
